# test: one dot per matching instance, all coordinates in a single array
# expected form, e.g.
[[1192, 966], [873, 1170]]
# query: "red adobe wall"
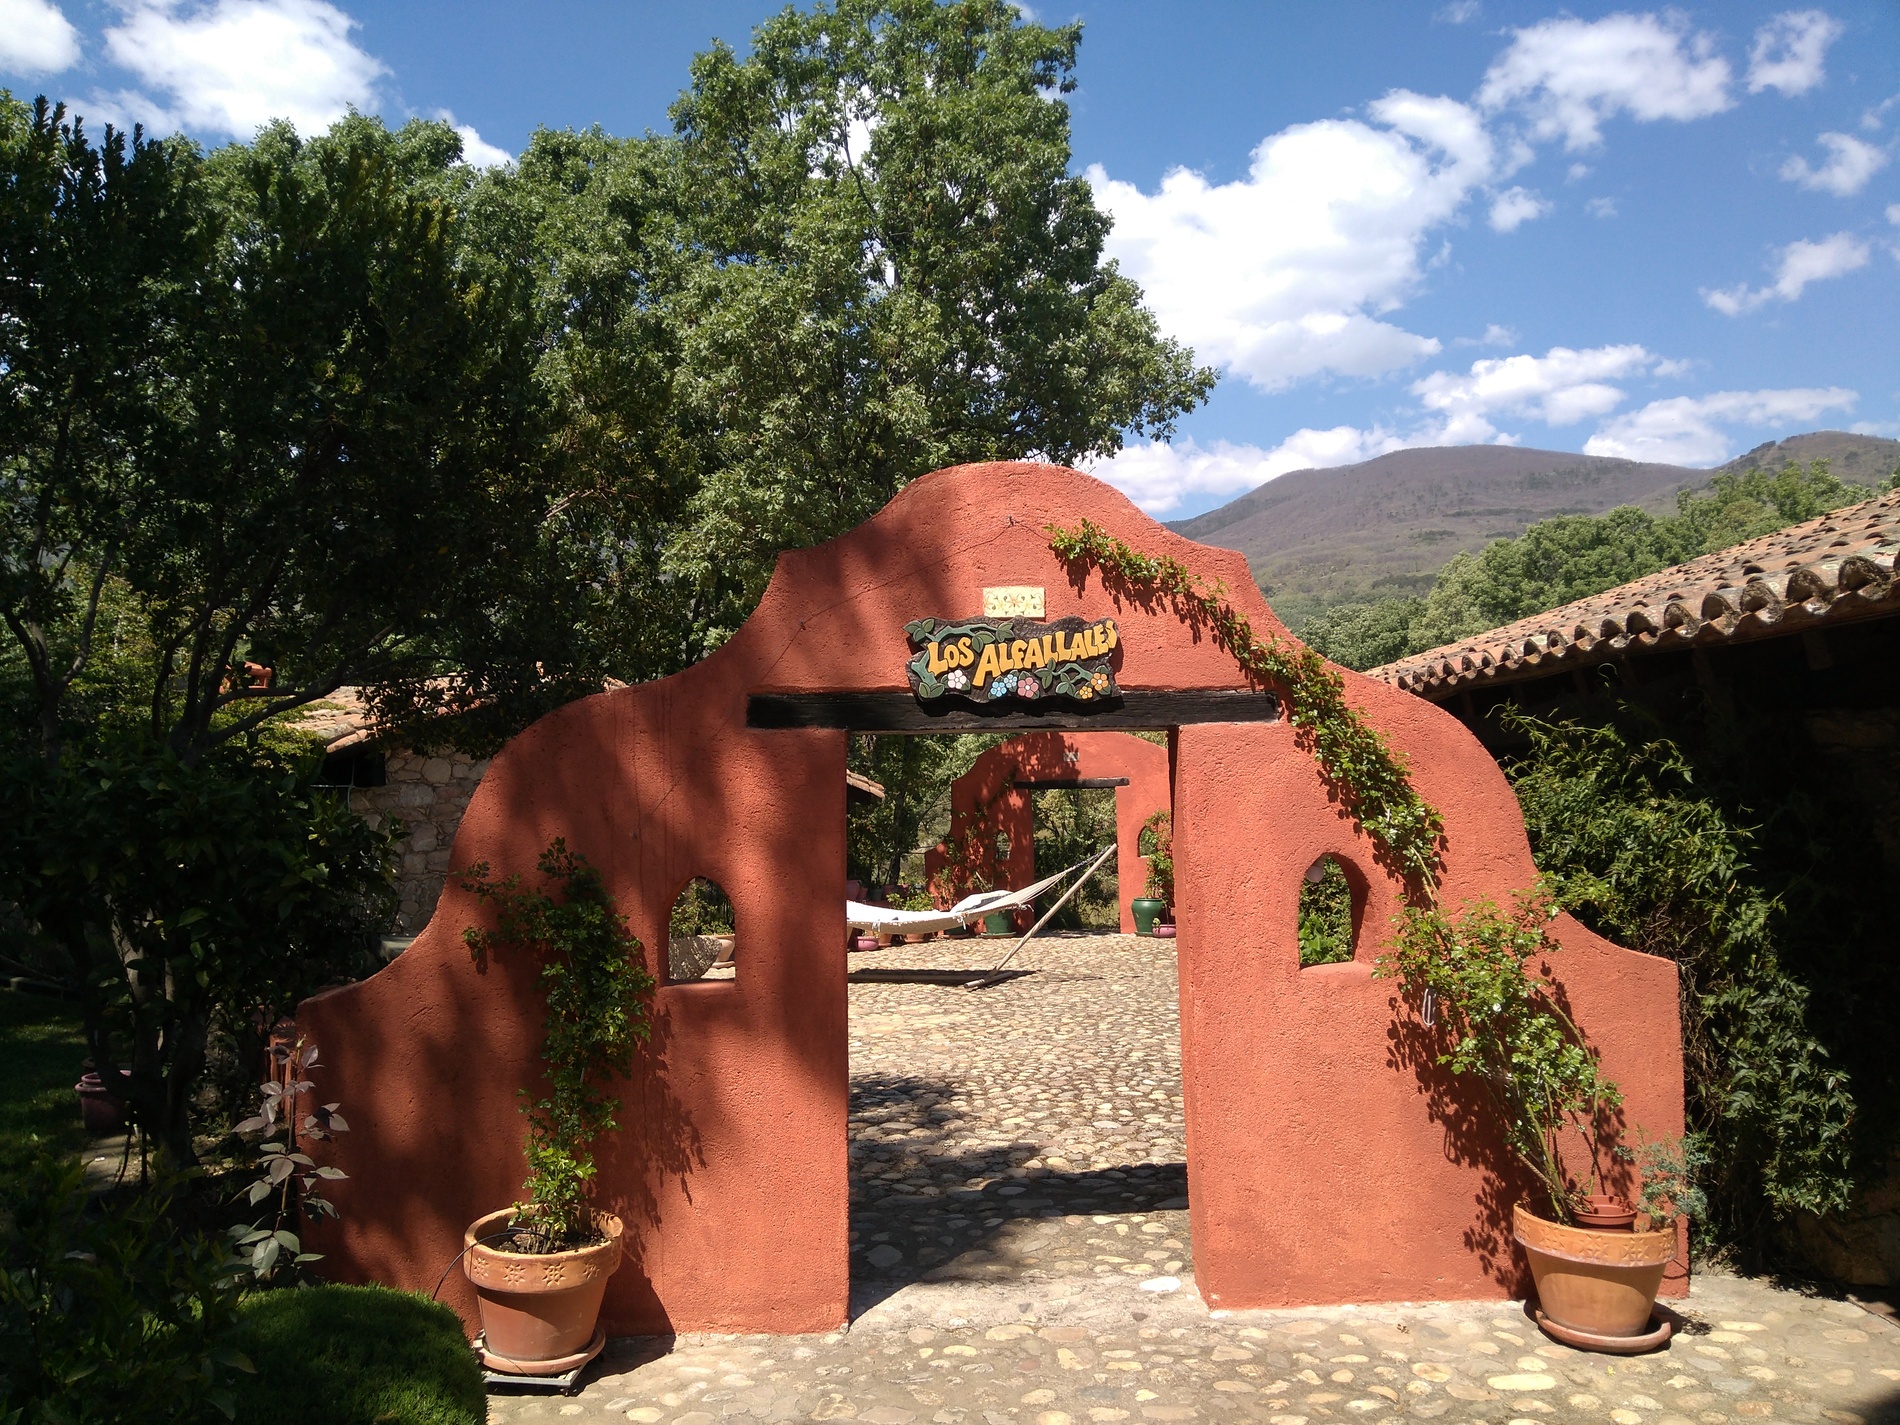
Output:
[[985, 792], [1317, 1169]]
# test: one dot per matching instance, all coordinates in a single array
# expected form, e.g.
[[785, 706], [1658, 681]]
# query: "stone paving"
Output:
[[1021, 1132], [1020, 1256]]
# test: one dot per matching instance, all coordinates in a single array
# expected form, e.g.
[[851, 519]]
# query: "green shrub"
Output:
[[597, 991], [356, 1355], [1652, 850], [109, 1312], [1326, 917], [1156, 842]]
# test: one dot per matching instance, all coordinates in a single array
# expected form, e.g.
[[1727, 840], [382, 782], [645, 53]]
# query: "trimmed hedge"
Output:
[[356, 1355]]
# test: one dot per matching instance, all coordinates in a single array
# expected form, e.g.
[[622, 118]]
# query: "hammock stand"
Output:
[[996, 976], [878, 919]]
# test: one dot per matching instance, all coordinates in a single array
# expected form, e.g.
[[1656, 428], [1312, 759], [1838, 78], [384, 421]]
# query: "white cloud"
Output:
[[1283, 275], [234, 65], [1685, 430], [36, 38], [1850, 163], [477, 152], [1578, 172], [1459, 12], [1514, 207], [1560, 387], [1570, 75], [1800, 263], [1874, 116], [1790, 51], [1159, 478], [1601, 207]]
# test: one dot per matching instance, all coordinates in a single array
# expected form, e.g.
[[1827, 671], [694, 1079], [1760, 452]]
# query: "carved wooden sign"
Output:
[[985, 660]]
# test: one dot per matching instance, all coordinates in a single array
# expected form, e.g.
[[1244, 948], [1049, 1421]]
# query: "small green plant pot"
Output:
[[999, 922], [1147, 910]]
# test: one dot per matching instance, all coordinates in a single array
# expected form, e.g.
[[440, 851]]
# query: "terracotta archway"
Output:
[[994, 798], [1317, 1172]]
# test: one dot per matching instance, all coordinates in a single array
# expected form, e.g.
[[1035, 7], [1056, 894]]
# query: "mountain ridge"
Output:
[[1384, 527]]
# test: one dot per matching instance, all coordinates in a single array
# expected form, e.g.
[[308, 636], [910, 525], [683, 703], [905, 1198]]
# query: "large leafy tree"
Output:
[[357, 451], [860, 256], [262, 398], [104, 253], [898, 271], [337, 410], [257, 412]]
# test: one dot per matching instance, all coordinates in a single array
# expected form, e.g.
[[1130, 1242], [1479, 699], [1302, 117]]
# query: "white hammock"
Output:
[[883, 919]]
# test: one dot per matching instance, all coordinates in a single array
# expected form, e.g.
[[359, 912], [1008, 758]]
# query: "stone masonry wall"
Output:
[[424, 796]]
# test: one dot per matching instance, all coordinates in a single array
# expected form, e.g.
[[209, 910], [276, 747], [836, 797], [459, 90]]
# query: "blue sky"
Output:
[[1664, 234]]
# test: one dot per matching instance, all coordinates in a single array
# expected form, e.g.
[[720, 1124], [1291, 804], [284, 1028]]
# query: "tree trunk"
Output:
[[158, 1092]]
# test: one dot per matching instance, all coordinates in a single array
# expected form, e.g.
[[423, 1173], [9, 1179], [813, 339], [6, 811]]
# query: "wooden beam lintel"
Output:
[[901, 712]]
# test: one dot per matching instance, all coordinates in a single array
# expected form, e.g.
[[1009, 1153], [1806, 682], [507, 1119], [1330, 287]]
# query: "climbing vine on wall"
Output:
[[1369, 778]]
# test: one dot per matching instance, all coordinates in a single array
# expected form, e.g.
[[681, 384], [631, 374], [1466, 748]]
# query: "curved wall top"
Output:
[[1323, 1167]]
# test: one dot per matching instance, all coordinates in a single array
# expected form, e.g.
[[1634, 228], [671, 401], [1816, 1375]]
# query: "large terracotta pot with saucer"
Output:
[[1596, 1287], [540, 1312]]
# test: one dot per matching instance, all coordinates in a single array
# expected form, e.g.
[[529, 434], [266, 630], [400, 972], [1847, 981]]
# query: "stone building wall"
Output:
[[423, 796]]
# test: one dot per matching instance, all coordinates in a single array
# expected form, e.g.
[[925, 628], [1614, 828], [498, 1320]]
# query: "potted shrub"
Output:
[[1488, 1017], [965, 872], [908, 899], [1156, 842], [540, 1267]]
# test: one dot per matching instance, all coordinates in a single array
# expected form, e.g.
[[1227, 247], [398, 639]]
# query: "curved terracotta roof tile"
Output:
[[1836, 567]]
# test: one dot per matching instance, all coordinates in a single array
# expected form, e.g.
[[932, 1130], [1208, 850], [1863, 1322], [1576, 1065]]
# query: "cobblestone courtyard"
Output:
[[992, 1128], [1020, 1256]]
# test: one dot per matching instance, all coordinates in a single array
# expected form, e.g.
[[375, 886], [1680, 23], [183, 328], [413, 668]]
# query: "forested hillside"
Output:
[[1382, 529], [1574, 556]]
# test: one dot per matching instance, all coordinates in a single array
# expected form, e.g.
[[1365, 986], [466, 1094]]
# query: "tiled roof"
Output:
[[341, 719], [1824, 572]]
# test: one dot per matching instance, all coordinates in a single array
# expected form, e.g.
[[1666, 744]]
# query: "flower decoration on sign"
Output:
[[988, 659]]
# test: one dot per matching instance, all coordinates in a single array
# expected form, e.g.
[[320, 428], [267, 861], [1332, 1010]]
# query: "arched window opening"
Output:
[[700, 940], [1326, 914]]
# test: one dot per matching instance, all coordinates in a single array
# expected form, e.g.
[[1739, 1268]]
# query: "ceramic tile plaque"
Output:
[[1014, 601]]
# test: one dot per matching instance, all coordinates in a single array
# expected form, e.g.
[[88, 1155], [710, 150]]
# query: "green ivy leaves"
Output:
[[1370, 778]]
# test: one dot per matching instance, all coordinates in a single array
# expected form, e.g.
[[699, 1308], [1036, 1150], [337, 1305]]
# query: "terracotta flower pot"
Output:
[[100, 1110], [538, 1312], [1163, 931], [1604, 1212], [1598, 1283]]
